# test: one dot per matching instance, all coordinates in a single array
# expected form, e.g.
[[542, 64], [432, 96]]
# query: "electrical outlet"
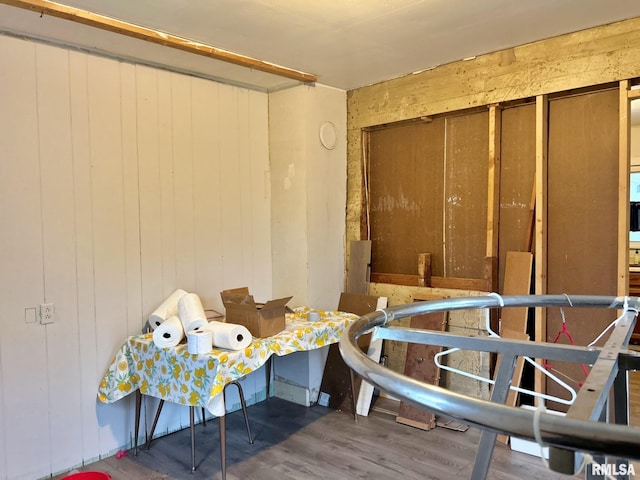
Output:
[[47, 313]]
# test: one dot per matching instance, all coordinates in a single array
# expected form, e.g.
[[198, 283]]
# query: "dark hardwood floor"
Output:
[[298, 443]]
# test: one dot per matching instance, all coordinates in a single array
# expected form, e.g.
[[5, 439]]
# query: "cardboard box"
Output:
[[261, 319]]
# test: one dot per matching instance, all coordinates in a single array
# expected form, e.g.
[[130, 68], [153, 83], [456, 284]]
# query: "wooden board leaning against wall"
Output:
[[443, 184]]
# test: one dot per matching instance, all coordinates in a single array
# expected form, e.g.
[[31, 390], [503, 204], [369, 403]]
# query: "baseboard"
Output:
[[292, 393]]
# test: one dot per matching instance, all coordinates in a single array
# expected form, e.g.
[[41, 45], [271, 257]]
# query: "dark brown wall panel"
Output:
[[405, 185], [582, 199], [466, 176], [517, 174]]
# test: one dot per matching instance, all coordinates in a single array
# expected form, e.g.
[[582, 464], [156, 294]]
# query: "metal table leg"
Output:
[[222, 425], [267, 371], [353, 395], [137, 425], [193, 439], [153, 427], [499, 394]]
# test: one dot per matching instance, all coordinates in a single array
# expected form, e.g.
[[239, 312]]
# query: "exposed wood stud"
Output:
[[493, 197], [109, 24], [631, 94], [623, 188], [493, 193], [542, 120], [424, 269]]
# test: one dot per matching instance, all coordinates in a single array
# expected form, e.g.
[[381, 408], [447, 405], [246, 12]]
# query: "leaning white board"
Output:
[[375, 351]]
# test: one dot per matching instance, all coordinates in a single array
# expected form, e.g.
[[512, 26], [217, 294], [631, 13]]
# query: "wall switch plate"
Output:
[[47, 313], [30, 315]]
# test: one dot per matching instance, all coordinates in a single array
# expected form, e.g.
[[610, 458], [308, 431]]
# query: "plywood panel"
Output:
[[420, 366], [582, 206], [465, 194], [406, 178], [517, 175], [517, 281], [56, 167], [21, 254], [358, 269]]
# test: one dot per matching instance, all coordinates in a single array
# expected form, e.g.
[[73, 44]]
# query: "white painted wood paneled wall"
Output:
[[118, 184]]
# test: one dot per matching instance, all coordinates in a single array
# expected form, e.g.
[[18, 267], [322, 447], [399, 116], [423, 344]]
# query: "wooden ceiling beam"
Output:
[[45, 7]]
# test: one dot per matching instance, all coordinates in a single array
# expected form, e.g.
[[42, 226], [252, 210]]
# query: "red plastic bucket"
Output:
[[88, 476]]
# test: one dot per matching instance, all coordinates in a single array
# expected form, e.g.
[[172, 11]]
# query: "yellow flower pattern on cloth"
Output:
[[175, 375]]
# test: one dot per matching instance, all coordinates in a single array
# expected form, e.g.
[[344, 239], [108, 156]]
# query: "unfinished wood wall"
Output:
[[591, 57], [406, 171], [517, 181], [582, 225], [118, 184]]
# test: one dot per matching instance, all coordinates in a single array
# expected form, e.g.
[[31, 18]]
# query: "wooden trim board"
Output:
[[420, 366]]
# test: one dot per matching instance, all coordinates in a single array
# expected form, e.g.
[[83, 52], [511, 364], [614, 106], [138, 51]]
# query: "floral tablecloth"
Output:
[[175, 375]]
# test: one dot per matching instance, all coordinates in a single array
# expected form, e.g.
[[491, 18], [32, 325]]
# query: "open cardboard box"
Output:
[[261, 319]]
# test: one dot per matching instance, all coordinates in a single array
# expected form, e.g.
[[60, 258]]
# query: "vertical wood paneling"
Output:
[[149, 185], [24, 388], [232, 188], [135, 319], [207, 186], [260, 211], [108, 224], [58, 224], [85, 288], [3, 429], [167, 195], [116, 177], [246, 199], [183, 181]]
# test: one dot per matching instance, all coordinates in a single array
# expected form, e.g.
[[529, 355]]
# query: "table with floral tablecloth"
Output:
[[175, 375]]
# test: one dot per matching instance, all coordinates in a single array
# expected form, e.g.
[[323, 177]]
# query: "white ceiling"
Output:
[[346, 43]]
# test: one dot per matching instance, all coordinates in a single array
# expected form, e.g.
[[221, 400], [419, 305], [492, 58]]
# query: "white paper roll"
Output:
[[229, 335], [199, 341], [191, 312], [169, 333], [167, 309]]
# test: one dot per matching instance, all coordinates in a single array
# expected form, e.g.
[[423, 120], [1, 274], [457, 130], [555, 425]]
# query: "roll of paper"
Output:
[[169, 333], [199, 341], [167, 309], [191, 312], [229, 335]]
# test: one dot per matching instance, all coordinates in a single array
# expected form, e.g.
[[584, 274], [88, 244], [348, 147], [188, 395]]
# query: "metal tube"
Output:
[[576, 431]]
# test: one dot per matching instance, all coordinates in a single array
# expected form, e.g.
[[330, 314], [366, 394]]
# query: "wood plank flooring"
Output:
[[298, 443]]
